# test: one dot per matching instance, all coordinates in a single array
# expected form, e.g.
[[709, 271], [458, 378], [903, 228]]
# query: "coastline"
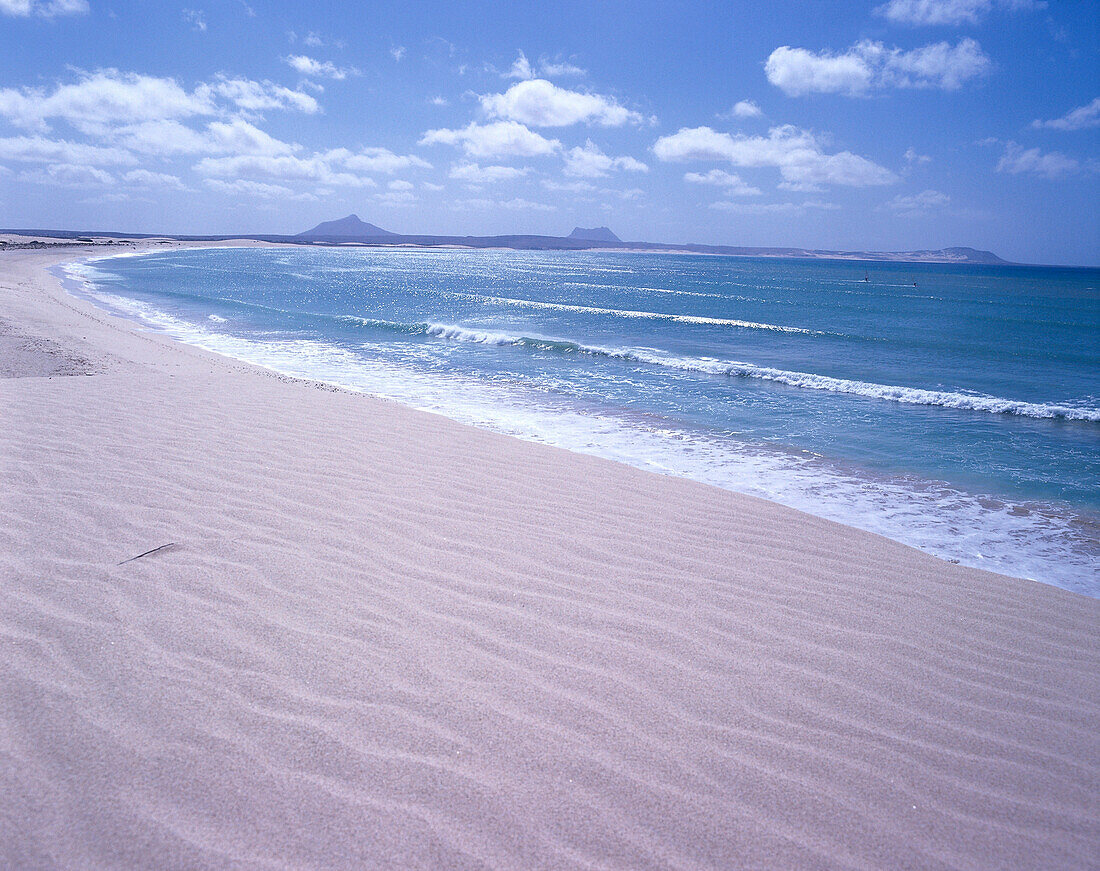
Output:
[[445, 646]]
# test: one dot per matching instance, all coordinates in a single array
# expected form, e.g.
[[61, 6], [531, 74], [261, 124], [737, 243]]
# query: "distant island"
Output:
[[351, 230]]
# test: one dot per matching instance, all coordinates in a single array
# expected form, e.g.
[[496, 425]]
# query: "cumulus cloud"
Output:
[[588, 161], [498, 139], [540, 103], [472, 173], [43, 8], [746, 109], [796, 153], [240, 137], [947, 12], [1080, 118], [870, 65], [104, 97], [36, 149], [731, 183], [1019, 161], [918, 204], [309, 66], [109, 96]]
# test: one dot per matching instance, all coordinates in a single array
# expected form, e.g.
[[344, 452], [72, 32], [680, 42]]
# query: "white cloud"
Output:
[[108, 97], [260, 190], [474, 174], [68, 175], [337, 167], [543, 104], [869, 65], [253, 96], [576, 187], [376, 160], [429, 186], [43, 8], [284, 167], [1053, 164], [195, 18], [514, 205], [240, 137], [498, 139], [912, 157], [773, 208], [398, 52], [795, 153], [588, 161], [947, 12], [36, 149], [439, 101], [918, 204], [162, 138], [522, 68], [396, 198], [309, 66], [145, 178], [1080, 118], [104, 97], [732, 183], [560, 68], [400, 185], [746, 109]]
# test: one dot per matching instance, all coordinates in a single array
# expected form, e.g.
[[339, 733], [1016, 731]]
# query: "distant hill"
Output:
[[345, 228], [352, 231], [594, 234]]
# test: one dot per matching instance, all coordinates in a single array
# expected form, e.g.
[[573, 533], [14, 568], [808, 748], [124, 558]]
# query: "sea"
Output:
[[955, 408]]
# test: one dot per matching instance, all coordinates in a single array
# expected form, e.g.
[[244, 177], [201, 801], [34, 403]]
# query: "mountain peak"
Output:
[[345, 228], [594, 234]]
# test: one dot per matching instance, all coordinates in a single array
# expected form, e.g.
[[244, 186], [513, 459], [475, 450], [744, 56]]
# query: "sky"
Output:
[[896, 125]]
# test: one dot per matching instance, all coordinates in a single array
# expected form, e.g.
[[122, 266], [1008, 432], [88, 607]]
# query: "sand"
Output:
[[375, 638]]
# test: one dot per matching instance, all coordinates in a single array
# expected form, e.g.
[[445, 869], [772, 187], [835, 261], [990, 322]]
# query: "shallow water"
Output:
[[954, 408]]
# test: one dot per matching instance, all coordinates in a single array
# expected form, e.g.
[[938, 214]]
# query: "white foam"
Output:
[[804, 380], [628, 313]]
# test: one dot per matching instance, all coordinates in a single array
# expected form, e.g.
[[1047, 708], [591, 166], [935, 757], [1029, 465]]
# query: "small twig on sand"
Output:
[[140, 555]]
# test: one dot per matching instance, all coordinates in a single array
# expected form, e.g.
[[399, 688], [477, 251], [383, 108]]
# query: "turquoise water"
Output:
[[955, 408]]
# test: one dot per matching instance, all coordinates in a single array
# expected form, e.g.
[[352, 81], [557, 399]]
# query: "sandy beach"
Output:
[[252, 622]]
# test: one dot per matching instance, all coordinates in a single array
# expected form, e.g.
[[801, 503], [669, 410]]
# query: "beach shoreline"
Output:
[[260, 622]]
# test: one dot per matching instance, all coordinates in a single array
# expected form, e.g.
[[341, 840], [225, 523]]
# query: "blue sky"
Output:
[[891, 125]]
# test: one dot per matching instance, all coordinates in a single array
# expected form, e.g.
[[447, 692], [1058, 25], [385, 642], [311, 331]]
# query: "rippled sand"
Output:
[[368, 637]]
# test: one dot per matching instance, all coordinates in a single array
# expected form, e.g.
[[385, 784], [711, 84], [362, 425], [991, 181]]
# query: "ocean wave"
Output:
[[738, 369], [630, 313]]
